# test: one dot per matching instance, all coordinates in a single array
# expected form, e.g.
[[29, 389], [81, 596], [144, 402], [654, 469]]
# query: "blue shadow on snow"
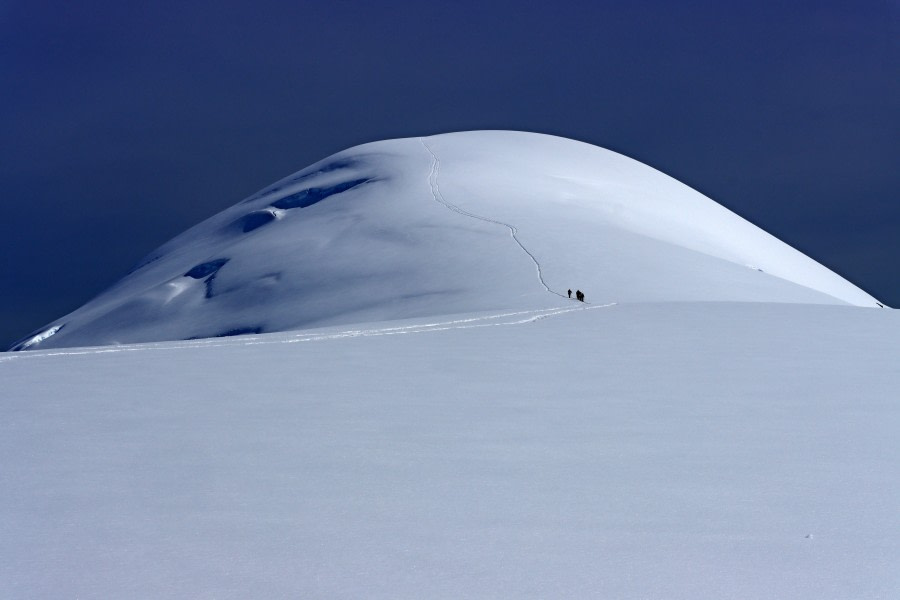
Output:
[[240, 331], [254, 220], [208, 268], [313, 195]]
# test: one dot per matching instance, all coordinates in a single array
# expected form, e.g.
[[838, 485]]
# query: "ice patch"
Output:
[[208, 268], [254, 220], [311, 196], [37, 339]]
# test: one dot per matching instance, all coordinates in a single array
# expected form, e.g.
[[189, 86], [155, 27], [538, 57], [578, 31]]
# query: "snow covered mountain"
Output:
[[464, 222], [437, 419]]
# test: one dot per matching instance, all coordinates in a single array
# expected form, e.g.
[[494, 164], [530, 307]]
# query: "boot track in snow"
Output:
[[513, 230]]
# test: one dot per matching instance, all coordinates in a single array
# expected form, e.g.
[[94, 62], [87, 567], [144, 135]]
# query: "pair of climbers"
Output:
[[579, 295]]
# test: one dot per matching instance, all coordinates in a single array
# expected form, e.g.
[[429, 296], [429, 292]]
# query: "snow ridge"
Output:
[[513, 230]]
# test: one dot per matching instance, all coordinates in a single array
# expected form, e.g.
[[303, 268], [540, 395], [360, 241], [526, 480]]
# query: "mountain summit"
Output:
[[454, 223]]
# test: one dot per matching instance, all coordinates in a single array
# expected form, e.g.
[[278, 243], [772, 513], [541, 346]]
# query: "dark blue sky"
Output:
[[125, 123]]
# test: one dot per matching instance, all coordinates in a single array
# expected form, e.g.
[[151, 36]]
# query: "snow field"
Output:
[[675, 450]]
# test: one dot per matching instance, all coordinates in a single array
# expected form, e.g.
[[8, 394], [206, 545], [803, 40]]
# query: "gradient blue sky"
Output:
[[125, 123]]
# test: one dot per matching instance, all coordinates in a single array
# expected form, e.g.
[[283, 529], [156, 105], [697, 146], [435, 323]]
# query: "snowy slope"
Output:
[[672, 450], [433, 419], [448, 224]]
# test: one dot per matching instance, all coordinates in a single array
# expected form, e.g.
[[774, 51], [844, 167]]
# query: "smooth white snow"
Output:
[[675, 450]]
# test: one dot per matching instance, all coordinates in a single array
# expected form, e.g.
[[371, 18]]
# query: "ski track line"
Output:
[[471, 323], [513, 230]]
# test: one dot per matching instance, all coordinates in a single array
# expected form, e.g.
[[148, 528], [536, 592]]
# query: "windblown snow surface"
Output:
[[432, 418]]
